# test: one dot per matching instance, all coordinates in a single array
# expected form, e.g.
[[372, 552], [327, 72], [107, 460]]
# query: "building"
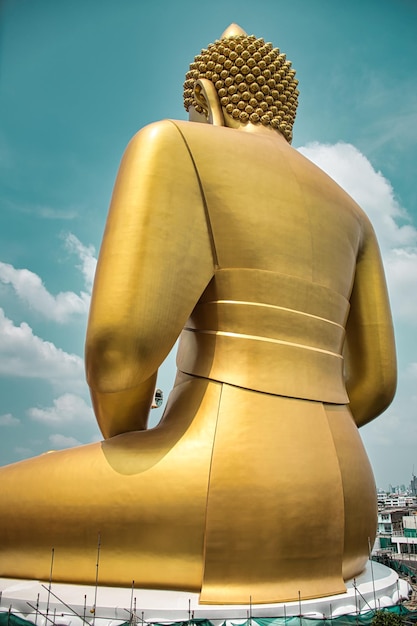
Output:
[[397, 531]]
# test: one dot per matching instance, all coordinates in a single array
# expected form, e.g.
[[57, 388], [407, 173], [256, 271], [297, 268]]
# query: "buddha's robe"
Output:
[[256, 484]]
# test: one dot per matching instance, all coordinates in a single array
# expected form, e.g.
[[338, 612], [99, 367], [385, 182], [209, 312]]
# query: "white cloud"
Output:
[[60, 308], [62, 441], [30, 288], [396, 233], [86, 256], [66, 410], [8, 420], [25, 355], [401, 271], [371, 190]]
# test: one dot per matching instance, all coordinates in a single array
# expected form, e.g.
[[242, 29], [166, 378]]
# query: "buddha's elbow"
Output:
[[113, 362], [369, 399]]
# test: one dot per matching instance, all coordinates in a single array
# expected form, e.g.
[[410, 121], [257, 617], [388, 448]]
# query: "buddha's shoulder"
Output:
[[162, 131], [175, 131], [155, 133]]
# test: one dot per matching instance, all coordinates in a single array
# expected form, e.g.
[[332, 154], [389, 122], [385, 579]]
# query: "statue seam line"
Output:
[[203, 197], [210, 474], [275, 306], [223, 333]]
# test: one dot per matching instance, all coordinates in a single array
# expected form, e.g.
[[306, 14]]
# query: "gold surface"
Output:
[[255, 484]]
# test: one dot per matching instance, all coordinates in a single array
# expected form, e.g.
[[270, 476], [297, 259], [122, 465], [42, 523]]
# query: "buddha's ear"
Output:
[[206, 96]]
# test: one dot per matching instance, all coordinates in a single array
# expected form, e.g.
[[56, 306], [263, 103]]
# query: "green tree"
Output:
[[386, 618]]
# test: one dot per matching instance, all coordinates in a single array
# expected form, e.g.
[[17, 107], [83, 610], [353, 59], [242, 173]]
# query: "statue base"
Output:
[[73, 605]]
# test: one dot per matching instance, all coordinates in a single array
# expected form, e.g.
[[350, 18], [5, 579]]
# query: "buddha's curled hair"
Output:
[[254, 81]]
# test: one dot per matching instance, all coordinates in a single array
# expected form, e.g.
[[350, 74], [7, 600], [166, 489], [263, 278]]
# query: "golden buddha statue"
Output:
[[255, 484]]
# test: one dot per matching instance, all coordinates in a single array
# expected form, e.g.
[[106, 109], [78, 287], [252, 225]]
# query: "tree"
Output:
[[386, 618]]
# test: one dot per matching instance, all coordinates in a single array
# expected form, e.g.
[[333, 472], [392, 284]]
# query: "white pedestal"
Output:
[[69, 605]]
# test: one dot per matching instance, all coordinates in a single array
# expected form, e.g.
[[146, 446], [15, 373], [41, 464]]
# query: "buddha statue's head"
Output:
[[240, 79]]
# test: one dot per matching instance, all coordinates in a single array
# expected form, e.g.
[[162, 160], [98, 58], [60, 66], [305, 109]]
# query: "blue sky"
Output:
[[79, 77]]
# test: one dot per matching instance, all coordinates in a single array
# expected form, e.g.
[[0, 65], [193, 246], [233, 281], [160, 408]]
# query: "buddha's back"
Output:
[[270, 328], [270, 208], [285, 239]]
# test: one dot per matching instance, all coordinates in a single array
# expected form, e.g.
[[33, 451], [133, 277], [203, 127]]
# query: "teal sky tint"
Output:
[[79, 77]]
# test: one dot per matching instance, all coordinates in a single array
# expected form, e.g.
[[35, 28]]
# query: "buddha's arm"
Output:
[[370, 348], [154, 263], [124, 411]]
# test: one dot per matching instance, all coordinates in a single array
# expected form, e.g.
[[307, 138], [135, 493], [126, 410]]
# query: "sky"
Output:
[[78, 78]]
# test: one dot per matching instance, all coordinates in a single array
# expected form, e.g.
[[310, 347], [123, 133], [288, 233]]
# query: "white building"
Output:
[[406, 540]]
